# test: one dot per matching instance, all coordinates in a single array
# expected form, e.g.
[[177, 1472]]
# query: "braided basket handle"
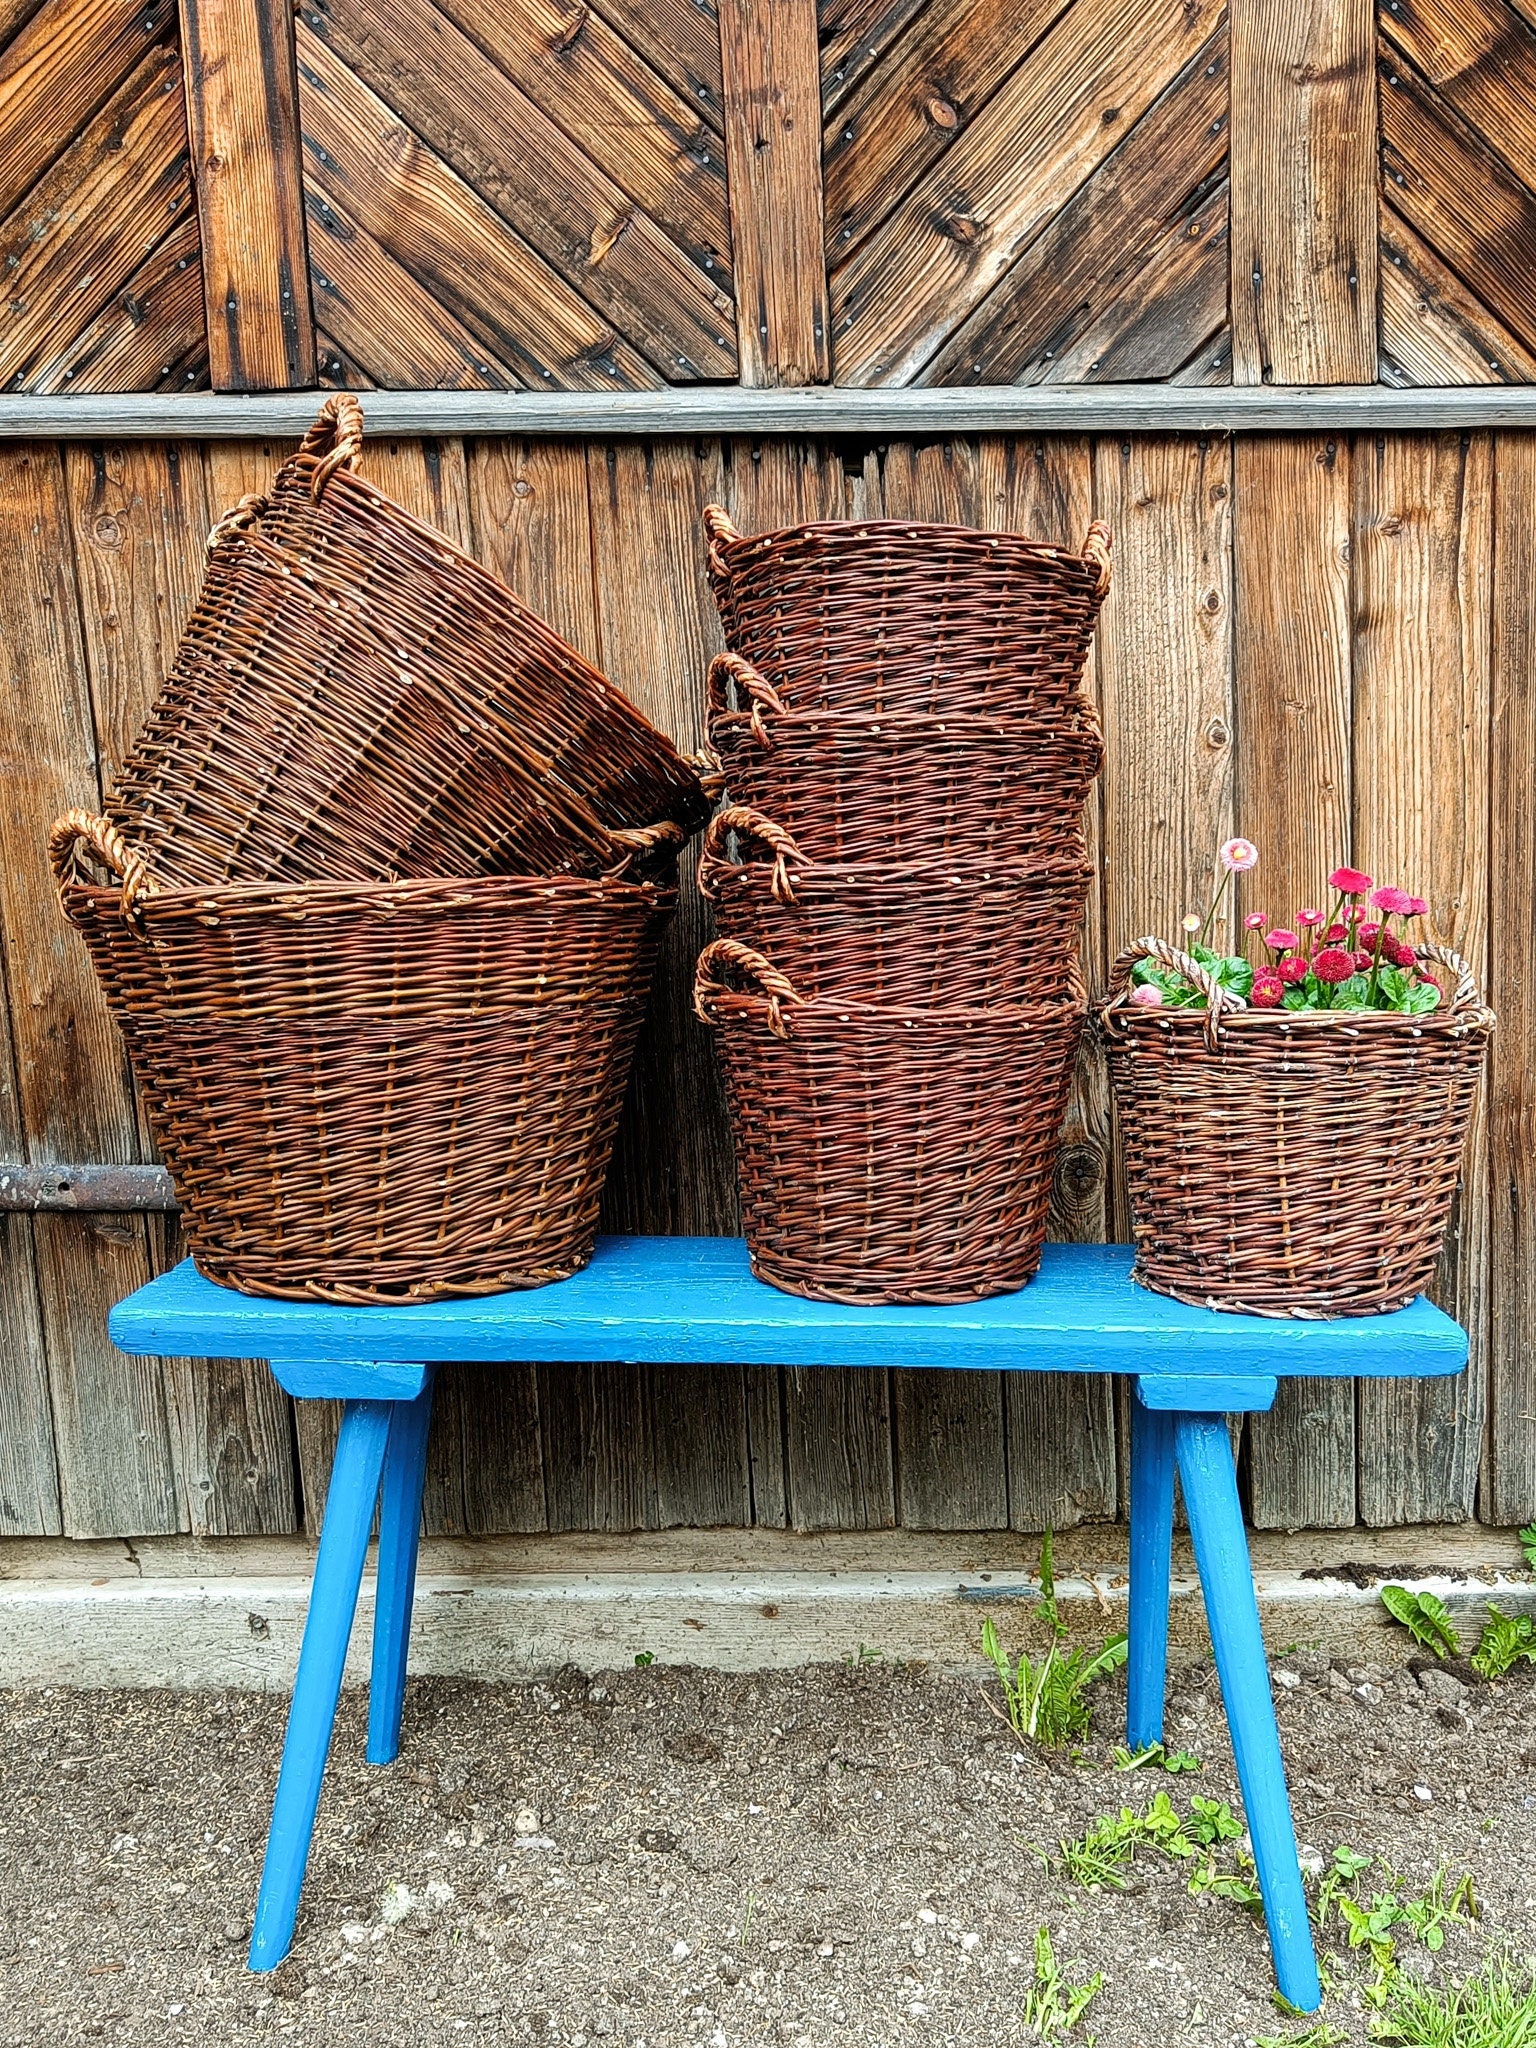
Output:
[[747, 823], [1467, 997], [720, 530], [82, 832], [751, 685], [634, 842], [710, 769], [1218, 1000], [724, 956], [1097, 544], [336, 436]]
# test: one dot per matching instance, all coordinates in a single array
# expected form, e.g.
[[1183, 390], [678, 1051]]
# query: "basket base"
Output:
[[1323, 1310], [878, 1291], [391, 1287]]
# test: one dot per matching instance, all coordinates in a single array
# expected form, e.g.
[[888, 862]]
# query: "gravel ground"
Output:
[[836, 1855]]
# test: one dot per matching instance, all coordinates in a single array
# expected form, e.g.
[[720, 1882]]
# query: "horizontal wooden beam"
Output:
[[730, 409], [104, 1190]]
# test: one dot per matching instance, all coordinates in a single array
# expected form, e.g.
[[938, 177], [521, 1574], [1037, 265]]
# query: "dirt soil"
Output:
[[837, 1855]]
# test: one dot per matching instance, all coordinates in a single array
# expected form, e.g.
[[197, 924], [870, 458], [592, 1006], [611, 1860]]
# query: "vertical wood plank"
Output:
[[1304, 222], [1423, 588], [113, 1432], [772, 84], [242, 115], [29, 1477], [1509, 1494], [1292, 528], [837, 1423]]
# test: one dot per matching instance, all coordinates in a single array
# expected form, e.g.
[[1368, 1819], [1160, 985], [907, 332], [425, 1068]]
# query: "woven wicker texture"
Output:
[[920, 786], [374, 1093], [962, 934], [308, 728], [1291, 1164], [887, 1155], [881, 617]]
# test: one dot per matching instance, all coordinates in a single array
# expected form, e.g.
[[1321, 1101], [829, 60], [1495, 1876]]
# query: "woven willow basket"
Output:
[[371, 1092], [885, 616], [887, 1154], [354, 699], [1291, 1164], [920, 786], [962, 934]]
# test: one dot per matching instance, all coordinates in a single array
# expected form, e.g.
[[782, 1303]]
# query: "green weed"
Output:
[[1097, 1858], [1323, 2035], [1506, 1639], [644, 1658], [1426, 1618], [1052, 2007], [1528, 1545], [1494, 2008], [1046, 1699], [1171, 1760]]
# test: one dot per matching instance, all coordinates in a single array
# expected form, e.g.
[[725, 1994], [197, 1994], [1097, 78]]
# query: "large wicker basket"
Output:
[[374, 1093], [887, 1155], [962, 934], [921, 786], [356, 700], [1291, 1164], [889, 617]]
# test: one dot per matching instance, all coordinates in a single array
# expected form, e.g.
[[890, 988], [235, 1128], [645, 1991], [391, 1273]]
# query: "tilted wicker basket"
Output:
[[920, 785], [887, 1154], [886, 616], [1291, 1163], [374, 1092], [964, 934], [355, 699]]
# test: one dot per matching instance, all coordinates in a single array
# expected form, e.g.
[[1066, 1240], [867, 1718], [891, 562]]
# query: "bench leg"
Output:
[[405, 1466], [1151, 1548], [1209, 1479], [349, 1506]]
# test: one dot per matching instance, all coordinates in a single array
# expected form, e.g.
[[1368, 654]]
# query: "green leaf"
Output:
[[1527, 1540], [1506, 1639], [1296, 998], [1202, 953], [1423, 997], [1426, 1618], [1235, 973]]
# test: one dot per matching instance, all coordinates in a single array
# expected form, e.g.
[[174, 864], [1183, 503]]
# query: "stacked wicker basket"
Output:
[[899, 878], [375, 903]]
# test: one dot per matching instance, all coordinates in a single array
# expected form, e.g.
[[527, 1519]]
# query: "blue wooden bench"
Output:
[[694, 1301]]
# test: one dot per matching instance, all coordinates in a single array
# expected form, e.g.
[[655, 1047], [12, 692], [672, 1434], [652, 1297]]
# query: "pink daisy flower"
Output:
[[1333, 964], [1255, 921], [1148, 994], [1308, 918], [1394, 902], [1282, 941], [1292, 968], [1266, 992], [1239, 855], [1349, 881]]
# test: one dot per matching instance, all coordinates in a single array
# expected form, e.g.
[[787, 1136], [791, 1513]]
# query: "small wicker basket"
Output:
[[1291, 1163], [962, 934], [374, 1093], [887, 1154]]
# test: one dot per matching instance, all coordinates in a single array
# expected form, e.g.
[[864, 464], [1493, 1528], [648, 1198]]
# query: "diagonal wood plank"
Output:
[[681, 40], [917, 101], [143, 339], [1092, 258], [1480, 58], [1441, 178], [392, 328], [910, 283], [456, 246], [1177, 303], [85, 228], [650, 141], [58, 72], [1433, 331], [515, 156], [855, 34]]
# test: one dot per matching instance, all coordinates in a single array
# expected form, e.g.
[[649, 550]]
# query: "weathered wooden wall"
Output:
[[1326, 642]]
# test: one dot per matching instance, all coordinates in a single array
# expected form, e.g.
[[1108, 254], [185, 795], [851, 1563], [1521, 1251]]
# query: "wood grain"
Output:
[[1304, 207], [854, 35], [242, 115], [1433, 331], [525, 166], [1480, 57], [956, 231], [1292, 524], [681, 40], [837, 1427], [150, 336], [460, 250], [773, 154], [112, 1424], [1509, 1489], [1423, 561]]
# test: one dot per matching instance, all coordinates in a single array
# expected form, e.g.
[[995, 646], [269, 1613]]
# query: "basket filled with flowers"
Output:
[[1294, 1114]]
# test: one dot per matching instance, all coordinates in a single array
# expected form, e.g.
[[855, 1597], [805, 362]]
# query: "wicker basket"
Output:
[[370, 1093], [1291, 1164], [887, 1155], [887, 617], [922, 786], [965, 935], [380, 707]]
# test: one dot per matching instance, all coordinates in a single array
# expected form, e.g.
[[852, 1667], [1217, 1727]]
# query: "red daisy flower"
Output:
[[1333, 964], [1349, 881], [1266, 992], [1292, 968]]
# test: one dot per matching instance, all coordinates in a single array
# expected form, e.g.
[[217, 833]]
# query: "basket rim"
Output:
[[978, 539], [1116, 1015]]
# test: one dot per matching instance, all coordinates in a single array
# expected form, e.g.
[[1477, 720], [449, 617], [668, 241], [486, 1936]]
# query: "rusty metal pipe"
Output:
[[106, 1190]]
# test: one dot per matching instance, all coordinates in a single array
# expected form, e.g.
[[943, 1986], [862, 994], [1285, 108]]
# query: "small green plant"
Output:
[[1426, 1618], [1323, 2035], [1052, 2006], [1506, 1639], [1046, 1698], [1097, 1858], [644, 1658], [1494, 2008], [1528, 1545], [1171, 1760]]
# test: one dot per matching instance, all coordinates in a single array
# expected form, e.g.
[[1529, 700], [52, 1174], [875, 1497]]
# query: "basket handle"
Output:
[[242, 517], [1097, 544], [635, 841], [1218, 1000], [750, 683], [721, 531], [336, 436], [1467, 995], [723, 955], [710, 769], [80, 832], [747, 823]]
